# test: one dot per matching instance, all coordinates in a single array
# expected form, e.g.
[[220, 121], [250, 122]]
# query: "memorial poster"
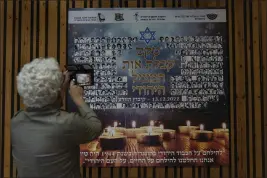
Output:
[[160, 87]]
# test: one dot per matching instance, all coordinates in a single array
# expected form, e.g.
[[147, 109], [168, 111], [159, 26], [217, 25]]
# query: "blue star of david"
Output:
[[147, 35]]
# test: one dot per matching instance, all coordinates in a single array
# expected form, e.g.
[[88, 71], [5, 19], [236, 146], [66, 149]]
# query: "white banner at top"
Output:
[[94, 16]]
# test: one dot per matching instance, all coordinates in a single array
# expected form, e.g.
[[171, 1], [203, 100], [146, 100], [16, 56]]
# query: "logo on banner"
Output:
[[212, 16], [119, 17], [147, 35], [101, 17], [136, 16]]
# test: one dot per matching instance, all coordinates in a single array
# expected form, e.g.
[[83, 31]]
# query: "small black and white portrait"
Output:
[[92, 99], [103, 73], [92, 40], [87, 46], [98, 79], [172, 45], [124, 85], [113, 46], [124, 105], [93, 46], [76, 48], [108, 39], [97, 40], [98, 46], [135, 39], [173, 85], [119, 53], [166, 39], [97, 106], [81, 40], [108, 59], [87, 54], [161, 39], [98, 59], [113, 40], [124, 46], [114, 66], [119, 46], [183, 52], [93, 53], [108, 66], [97, 53], [108, 73], [98, 66], [97, 72], [114, 73], [119, 79]]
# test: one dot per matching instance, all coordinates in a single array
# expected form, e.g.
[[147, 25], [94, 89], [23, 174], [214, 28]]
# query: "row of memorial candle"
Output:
[[195, 132], [198, 132], [149, 135], [183, 129]]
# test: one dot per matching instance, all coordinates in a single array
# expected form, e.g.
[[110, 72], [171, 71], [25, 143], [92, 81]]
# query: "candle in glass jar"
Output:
[[220, 132], [167, 134], [113, 141], [152, 125], [149, 138], [187, 129], [201, 135]]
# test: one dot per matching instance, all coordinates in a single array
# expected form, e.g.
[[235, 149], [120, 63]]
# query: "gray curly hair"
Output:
[[39, 82]]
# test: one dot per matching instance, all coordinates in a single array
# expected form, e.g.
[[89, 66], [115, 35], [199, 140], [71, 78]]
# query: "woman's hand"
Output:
[[66, 81], [76, 93]]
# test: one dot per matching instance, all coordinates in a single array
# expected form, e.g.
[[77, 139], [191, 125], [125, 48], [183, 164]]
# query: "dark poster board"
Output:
[[161, 85]]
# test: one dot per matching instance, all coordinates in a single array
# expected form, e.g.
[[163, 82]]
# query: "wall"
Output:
[[30, 29]]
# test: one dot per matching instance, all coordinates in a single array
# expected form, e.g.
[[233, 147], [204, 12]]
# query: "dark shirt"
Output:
[[45, 141]]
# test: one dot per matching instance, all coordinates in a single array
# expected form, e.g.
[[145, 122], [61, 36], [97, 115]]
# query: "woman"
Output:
[[46, 139]]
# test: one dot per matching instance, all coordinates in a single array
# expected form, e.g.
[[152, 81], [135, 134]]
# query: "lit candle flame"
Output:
[[115, 124], [152, 123], [134, 124], [161, 126], [201, 127], [224, 125], [149, 130], [188, 123]]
